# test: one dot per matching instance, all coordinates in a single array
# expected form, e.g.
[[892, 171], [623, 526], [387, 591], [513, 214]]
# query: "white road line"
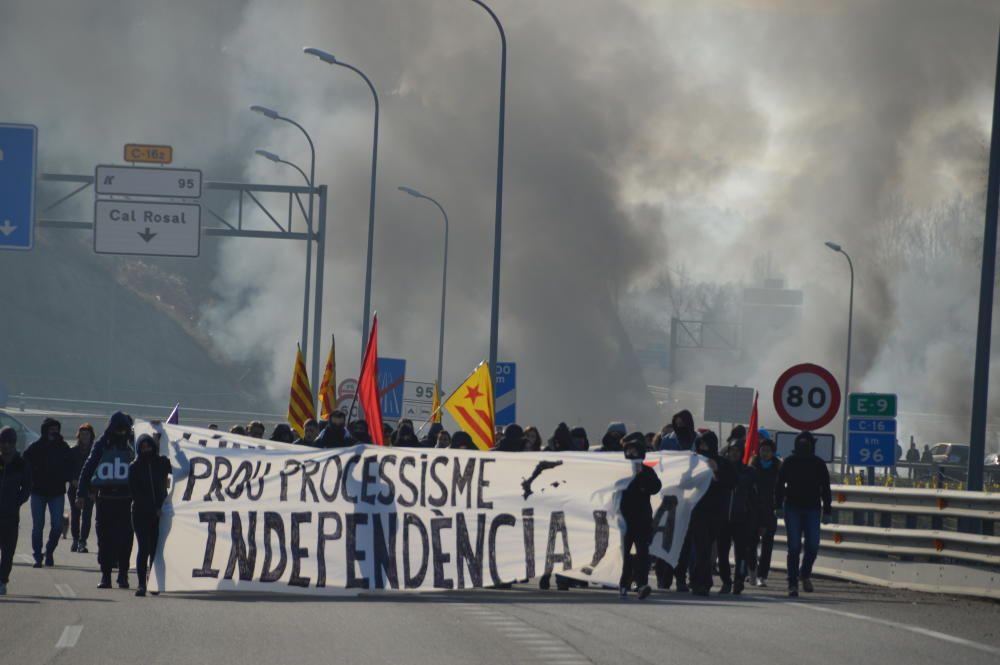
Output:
[[66, 591], [69, 637], [985, 648]]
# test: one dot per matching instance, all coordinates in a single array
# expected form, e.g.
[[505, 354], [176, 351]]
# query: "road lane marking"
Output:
[[69, 637], [66, 591]]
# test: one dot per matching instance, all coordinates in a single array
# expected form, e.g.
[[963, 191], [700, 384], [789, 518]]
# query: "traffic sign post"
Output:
[[147, 228], [806, 397], [147, 181], [418, 398], [391, 377], [150, 154], [18, 160], [505, 394], [871, 431]]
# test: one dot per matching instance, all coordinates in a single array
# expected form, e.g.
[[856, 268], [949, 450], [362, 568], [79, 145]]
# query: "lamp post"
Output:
[[331, 60], [311, 181], [444, 276], [495, 306], [847, 372]]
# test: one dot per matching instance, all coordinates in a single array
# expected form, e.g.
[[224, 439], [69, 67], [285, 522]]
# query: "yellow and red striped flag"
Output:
[[436, 405], [472, 406], [300, 401], [328, 386]]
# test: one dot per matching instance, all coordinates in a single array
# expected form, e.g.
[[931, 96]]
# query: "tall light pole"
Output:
[[444, 276], [331, 60], [847, 371], [495, 307], [311, 180]]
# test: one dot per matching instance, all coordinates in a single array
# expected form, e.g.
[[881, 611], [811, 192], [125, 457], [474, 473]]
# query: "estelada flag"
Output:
[[436, 405], [368, 393], [752, 444], [327, 399], [472, 406], [300, 400]]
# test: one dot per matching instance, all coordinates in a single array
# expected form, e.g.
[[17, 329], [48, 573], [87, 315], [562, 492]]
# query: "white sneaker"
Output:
[[762, 581], [3, 589]]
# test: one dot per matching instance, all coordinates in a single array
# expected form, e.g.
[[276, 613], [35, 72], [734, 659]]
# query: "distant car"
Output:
[[950, 453], [25, 435], [992, 462]]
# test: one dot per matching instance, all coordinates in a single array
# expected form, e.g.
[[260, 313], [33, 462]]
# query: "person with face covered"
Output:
[[683, 432], [51, 462], [709, 513], [335, 434], [15, 488], [80, 518], [147, 484], [512, 440], [735, 531], [637, 513], [802, 490], [766, 465], [106, 470], [562, 439], [611, 442], [431, 440], [404, 436]]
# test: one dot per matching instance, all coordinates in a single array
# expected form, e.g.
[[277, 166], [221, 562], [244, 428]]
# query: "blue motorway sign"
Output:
[[18, 159], [391, 380], [867, 425], [505, 393], [871, 449]]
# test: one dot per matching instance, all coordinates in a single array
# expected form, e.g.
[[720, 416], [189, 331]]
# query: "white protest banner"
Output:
[[247, 514]]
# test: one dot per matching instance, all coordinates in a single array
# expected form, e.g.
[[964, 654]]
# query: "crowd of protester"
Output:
[[124, 482]]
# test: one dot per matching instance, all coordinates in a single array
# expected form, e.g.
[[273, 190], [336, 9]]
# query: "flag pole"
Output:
[[441, 406]]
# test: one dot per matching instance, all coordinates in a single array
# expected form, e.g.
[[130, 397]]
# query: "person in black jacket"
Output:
[[80, 518], [147, 485], [766, 464], [15, 488], [335, 434], [512, 440], [51, 465], [106, 469], [404, 436], [709, 513], [803, 486], [735, 531], [638, 515]]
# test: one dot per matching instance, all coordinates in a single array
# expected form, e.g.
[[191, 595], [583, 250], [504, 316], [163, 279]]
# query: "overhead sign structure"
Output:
[[505, 394], [18, 160], [807, 396], [147, 181], [147, 228], [418, 398], [150, 154], [784, 444], [728, 404], [391, 377], [871, 429]]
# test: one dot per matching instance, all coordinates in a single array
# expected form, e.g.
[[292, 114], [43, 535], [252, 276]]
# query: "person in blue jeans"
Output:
[[801, 493], [51, 463]]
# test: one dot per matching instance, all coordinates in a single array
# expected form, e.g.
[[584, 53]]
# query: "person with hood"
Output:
[[405, 437], [15, 489], [430, 441], [581, 442], [51, 463], [335, 434], [737, 436], [512, 440], [238, 430], [802, 490], [256, 429], [310, 432], [736, 529], [358, 432], [147, 485], [683, 434], [709, 513], [80, 518], [532, 439], [443, 439], [562, 439], [106, 469], [283, 433], [462, 441], [637, 513], [611, 442], [766, 464]]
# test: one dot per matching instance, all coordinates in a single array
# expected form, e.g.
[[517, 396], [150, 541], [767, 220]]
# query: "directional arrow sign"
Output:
[[147, 228], [18, 149]]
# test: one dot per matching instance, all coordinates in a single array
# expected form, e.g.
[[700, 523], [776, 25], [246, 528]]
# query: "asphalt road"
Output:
[[58, 615]]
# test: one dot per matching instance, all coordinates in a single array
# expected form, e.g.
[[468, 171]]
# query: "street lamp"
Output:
[[847, 372], [495, 306], [311, 180], [329, 59], [444, 278]]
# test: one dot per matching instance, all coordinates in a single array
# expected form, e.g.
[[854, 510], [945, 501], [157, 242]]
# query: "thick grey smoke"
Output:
[[643, 136]]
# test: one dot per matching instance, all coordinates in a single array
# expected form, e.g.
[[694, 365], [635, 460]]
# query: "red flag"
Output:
[[752, 444], [368, 386]]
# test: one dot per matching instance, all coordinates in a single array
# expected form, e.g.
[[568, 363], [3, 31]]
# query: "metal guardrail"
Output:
[[899, 552]]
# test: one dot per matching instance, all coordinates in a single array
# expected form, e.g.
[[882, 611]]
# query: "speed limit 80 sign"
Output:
[[807, 396]]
